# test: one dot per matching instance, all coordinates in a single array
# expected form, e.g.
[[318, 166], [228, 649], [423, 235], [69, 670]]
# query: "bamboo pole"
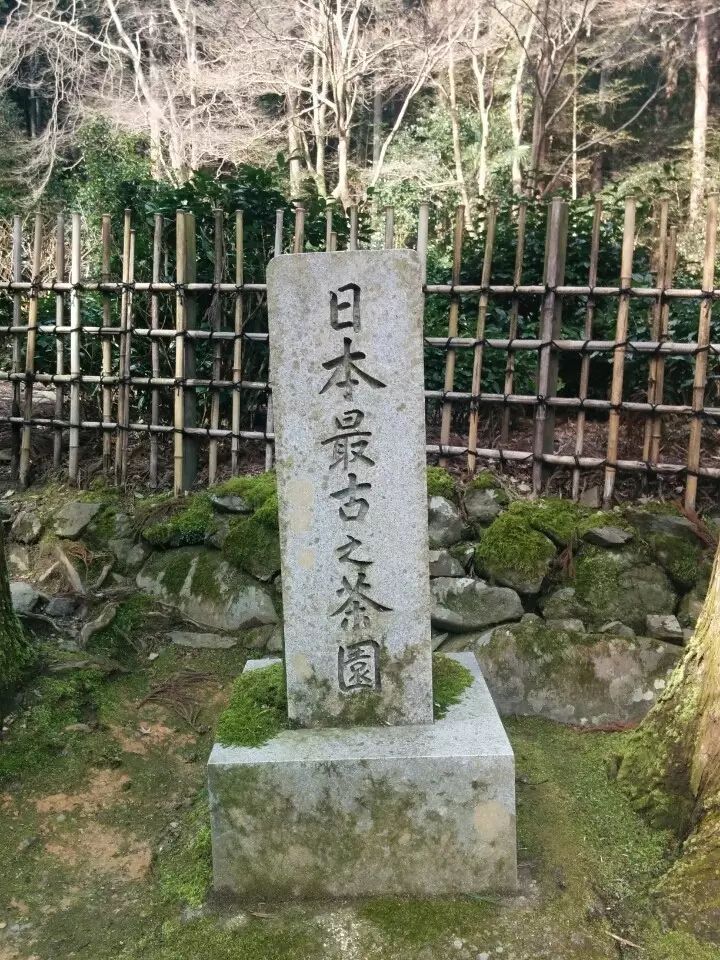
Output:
[[180, 328], [30, 347], [353, 240], [328, 225], [656, 435], [155, 347], [389, 228], [656, 310], [217, 348], [59, 348], [479, 334], [191, 442], [333, 242], [446, 417], [106, 343], [123, 342], [299, 235], [514, 313], [550, 329], [621, 331], [237, 345], [422, 239], [75, 371], [17, 342], [585, 357], [701, 357], [126, 380]]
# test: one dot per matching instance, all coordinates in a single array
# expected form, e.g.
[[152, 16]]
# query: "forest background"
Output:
[[156, 105]]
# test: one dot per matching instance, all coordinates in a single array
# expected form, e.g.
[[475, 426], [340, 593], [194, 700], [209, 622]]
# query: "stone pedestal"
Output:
[[424, 810]]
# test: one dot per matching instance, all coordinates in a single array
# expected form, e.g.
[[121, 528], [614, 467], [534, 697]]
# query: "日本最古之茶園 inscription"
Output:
[[347, 376]]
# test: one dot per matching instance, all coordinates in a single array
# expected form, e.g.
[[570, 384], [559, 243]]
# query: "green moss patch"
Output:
[[681, 559], [118, 638], [253, 543], [185, 874], [513, 547], [484, 480], [440, 483], [449, 681], [188, 527], [256, 489]]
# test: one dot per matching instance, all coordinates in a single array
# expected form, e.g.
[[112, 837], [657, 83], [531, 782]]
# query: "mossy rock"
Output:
[[684, 561], [612, 585], [440, 483], [206, 588], [484, 480], [190, 522], [253, 545], [255, 489], [513, 552], [534, 669]]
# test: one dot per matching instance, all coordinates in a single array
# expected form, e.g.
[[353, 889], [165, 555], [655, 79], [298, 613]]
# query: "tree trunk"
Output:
[[15, 652], [671, 770], [295, 149], [377, 129], [515, 105], [342, 190], [455, 127], [700, 120]]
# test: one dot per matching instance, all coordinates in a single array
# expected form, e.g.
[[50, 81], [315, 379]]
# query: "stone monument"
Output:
[[368, 795]]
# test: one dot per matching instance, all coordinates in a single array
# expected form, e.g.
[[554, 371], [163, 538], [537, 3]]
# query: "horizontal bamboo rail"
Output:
[[216, 367]]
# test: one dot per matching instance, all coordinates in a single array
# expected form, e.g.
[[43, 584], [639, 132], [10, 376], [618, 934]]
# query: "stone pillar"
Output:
[[346, 356]]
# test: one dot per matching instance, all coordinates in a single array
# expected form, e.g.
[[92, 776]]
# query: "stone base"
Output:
[[331, 813]]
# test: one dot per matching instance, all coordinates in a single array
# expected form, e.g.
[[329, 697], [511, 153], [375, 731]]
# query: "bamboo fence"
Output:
[[223, 423]]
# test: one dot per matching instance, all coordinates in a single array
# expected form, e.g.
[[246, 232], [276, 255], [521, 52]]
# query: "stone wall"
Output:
[[574, 613]]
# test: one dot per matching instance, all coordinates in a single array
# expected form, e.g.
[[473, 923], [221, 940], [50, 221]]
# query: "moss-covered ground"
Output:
[[104, 840]]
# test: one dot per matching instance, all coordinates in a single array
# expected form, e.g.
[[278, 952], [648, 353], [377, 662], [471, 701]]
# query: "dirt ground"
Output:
[[104, 844]]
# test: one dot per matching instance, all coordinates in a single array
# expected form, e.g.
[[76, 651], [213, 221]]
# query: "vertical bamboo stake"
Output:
[[299, 236], [155, 348], [74, 436], [180, 330], [446, 418], [106, 344], [217, 348], [389, 228], [422, 239], [661, 275], [30, 347], [328, 225], [587, 332], [16, 342], [353, 242], [125, 433], [655, 439], [514, 311], [190, 444], [123, 344], [701, 358], [237, 344], [621, 329], [550, 328], [479, 334], [59, 349], [333, 242]]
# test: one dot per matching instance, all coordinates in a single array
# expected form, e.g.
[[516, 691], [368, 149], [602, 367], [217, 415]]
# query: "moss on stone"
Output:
[[484, 480], [678, 945], [253, 543], [257, 710], [256, 489], [513, 543], [175, 570], [185, 528], [440, 483], [681, 559]]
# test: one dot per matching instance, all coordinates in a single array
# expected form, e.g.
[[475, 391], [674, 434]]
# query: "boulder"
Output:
[[61, 607], [483, 506], [464, 553], [25, 598], [26, 527], [617, 629], [612, 585], [72, 519], [463, 604], [574, 678], [663, 627], [445, 525], [202, 641], [608, 536], [18, 559], [443, 564], [459, 642], [207, 589], [129, 555], [691, 605], [569, 624], [229, 503]]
